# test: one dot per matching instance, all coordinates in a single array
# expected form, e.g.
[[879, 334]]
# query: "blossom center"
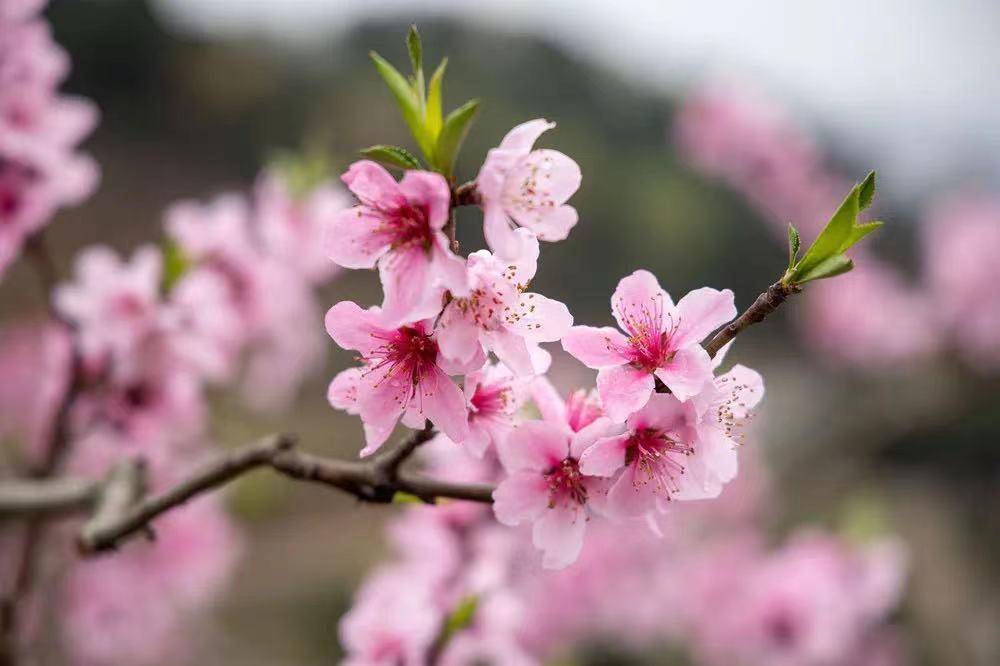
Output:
[[656, 458], [408, 226], [406, 352], [649, 336], [491, 399], [565, 484]]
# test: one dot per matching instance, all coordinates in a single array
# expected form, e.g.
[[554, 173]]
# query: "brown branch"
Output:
[[466, 195], [765, 304], [374, 480], [46, 496]]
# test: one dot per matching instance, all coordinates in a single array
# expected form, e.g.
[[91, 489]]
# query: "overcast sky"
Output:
[[913, 84]]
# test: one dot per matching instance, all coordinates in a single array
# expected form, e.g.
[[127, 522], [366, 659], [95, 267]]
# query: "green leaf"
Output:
[[408, 102], [461, 616], [828, 268], [175, 265], [453, 132], [393, 156], [405, 498], [839, 234], [867, 191], [415, 48], [432, 114], [794, 241]]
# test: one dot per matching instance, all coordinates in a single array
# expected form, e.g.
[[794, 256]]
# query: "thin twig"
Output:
[[766, 303]]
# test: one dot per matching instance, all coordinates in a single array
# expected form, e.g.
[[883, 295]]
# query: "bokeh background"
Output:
[[196, 95]]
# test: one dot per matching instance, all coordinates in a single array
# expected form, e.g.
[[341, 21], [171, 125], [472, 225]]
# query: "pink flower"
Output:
[[35, 363], [494, 396], [399, 227], [526, 187], [403, 372], [501, 316], [578, 410], [871, 317], [292, 229], [961, 243], [663, 340], [113, 304], [40, 170], [393, 621], [547, 487], [135, 607]]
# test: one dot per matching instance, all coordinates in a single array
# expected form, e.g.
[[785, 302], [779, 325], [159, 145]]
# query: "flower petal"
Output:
[[373, 185], [605, 457], [623, 390], [430, 192], [700, 312], [535, 446], [742, 389], [629, 496], [520, 497], [343, 390], [522, 137], [511, 349], [596, 347], [354, 328], [542, 319], [547, 399], [441, 401], [457, 334], [405, 277], [640, 305], [686, 374], [355, 239], [663, 412], [559, 534], [507, 243]]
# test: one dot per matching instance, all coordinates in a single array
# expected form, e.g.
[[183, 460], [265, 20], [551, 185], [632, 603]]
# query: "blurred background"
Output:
[[197, 95]]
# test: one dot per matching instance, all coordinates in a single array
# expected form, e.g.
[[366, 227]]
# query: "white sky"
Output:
[[913, 85]]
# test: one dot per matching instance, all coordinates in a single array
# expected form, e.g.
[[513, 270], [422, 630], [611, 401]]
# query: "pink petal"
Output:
[[543, 319], [686, 374], [640, 303], [554, 224], [597, 429], [743, 389], [523, 136], [714, 464], [549, 402], [631, 497], [382, 399], [429, 191], [343, 390], [559, 534], [663, 412], [623, 390], [700, 312], [373, 185], [595, 347], [375, 437], [457, 334], [605, 457], [543, 179], [448, 270], [353, 238], [720, 356], [354, 328], [535, 446], [520, 497], [507, 243], [511, 349], [405, 277], [441, 401]]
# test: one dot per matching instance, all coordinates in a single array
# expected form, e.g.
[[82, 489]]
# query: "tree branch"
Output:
[[375, 480], [765, 304]]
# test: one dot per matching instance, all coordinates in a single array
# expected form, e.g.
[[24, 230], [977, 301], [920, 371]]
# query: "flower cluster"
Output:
[[462, 589], [40, 170], [874, 317], [623, 454], [231, 300]]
